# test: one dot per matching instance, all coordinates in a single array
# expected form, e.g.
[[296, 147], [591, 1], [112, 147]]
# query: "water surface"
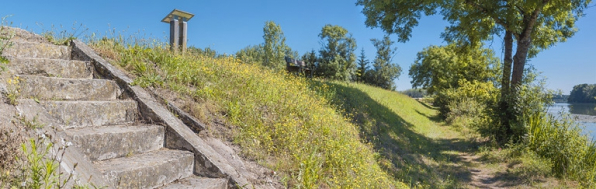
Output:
[[585, 114]]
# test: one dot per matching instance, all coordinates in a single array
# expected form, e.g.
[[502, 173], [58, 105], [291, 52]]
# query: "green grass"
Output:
[[277, 119], [315, 133], [414, 144]]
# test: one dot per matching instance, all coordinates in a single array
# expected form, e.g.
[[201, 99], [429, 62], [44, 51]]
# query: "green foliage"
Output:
[[535, 26], [311, 59], [383, 72], [362, 66], [572, 153], [36, 164], [450, 74], [438, 68], [275, 47], [251, 54], [414, 93], [548, 22], [271, 52], [337, 60], [467, 106], [208, 52], [583, 93]]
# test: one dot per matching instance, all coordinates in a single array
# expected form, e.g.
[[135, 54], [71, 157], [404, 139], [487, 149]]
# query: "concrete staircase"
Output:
[[100, 119]]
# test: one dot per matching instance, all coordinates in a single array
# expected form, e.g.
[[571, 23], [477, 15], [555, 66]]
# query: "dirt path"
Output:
[[481, 176]]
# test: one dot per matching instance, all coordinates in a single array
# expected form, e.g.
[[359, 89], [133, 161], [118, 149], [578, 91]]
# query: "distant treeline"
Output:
[[415, 93], [560, 98], [583, 93]]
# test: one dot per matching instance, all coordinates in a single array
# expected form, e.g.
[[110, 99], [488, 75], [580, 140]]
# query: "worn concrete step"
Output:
[[148, 170], [73, 114], [198, 182], [19, 34], [50, 67], [21, 49], [52, 88], [108, 142], [55, 88]]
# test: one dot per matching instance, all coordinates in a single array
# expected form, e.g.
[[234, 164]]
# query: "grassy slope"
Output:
[[315, 133], [415, 146], [276, 119]]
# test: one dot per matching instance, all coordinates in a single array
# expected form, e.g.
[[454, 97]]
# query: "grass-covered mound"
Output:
[[277, 119], [415, 145]]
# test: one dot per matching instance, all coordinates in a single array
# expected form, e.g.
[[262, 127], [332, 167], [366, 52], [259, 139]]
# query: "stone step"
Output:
[[108, 142], [148, 170], [73, 114], [50, 67], [21, 49], [52, 88], [19, 34], [198, 182]]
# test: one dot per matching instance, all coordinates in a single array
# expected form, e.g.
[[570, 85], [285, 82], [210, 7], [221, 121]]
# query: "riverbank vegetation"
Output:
[[583, 93]]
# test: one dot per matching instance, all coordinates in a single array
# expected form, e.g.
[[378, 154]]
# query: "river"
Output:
[[584, 114]]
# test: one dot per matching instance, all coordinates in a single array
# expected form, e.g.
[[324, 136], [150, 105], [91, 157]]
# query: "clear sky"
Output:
[[228, 26]]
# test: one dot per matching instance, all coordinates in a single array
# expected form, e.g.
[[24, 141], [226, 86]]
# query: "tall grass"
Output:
[[277, 119], [572, 153]]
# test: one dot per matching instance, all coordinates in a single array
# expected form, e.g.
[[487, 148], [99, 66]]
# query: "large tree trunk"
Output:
[[508, 60], [506, 115], [519, 61]]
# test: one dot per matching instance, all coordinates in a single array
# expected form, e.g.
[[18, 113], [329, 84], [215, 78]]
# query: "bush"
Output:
[[482, 93]]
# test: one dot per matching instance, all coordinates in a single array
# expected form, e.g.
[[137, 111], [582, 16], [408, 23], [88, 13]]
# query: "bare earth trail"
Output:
[[462, 161], [469, 168], [482, 177]]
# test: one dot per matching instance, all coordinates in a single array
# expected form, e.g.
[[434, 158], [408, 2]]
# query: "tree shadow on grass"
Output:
[[427, 106], [405, 153], [435, 118]]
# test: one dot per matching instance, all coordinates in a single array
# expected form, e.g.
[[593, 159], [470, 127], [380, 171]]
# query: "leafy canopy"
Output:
[[383, 72], [440, 68], [473, 21], [338, 60]]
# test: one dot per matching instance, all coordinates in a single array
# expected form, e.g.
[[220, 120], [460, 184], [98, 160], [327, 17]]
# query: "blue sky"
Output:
[[228, 26]]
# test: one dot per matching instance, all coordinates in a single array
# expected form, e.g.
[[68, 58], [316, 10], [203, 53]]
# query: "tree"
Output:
[[337, 54], [384, 72], [275, 47], [252, 54], [311, 59], [362, 66], [205, 52], [533, 25], [271, 53], [440, 69], [583, 93]]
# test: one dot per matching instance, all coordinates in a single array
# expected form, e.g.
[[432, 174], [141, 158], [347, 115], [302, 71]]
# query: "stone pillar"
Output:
[[174, 34], [183, 38]]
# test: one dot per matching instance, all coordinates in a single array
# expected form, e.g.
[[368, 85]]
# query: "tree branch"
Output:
[[493, 16], [532, 21]]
